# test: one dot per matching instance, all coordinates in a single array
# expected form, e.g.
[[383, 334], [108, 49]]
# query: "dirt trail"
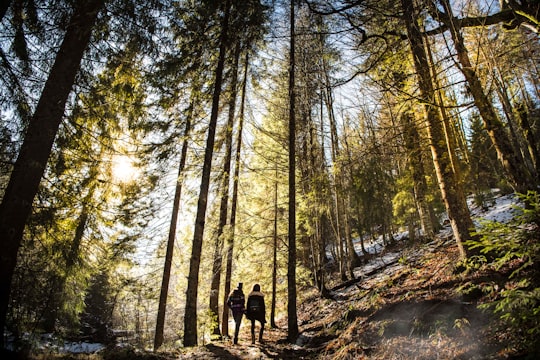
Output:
[[405, 307], [273, 347]]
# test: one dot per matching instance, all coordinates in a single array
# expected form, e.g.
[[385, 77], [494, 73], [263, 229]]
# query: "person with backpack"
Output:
[[256, 311], [235, 302]]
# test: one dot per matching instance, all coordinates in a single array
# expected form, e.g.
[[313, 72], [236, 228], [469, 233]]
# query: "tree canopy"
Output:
[[154, 153]]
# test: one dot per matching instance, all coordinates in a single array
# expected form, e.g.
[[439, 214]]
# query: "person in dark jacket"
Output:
[[236, 301], [256, 311]]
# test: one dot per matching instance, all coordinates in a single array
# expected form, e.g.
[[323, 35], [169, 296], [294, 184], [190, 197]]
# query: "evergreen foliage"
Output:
[[514, 245], [97, 318], [158, 75]]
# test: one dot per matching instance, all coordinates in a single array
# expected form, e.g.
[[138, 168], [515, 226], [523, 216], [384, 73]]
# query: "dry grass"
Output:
[[411, 310]]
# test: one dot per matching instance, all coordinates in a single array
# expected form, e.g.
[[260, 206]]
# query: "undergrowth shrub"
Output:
[[514, 244]]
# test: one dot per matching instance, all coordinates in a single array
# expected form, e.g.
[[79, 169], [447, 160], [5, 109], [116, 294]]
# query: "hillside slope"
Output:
[[407, 302], [412, 305]]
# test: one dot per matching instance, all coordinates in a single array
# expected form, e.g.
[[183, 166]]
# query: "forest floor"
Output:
[[406, 302], [408, 309]]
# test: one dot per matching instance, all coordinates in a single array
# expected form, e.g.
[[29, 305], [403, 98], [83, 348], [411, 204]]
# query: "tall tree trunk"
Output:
[[292, 322], [358, 214], [532, 143], [342, 205], [274, 253], [533, 69], [512, 163], [312, 171], [451, 191], [223, 207], [325, 293], [352, 257], [36, 148], [234, 202], [320, 255], [518, 128], [340, 251], [516, 131], [162, 307], [190, 315], [416, 165], [337, 195], [446, 122]]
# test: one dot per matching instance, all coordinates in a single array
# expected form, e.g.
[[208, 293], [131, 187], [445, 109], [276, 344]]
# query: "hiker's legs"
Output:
[[253, 331], [261, 332], [237, 323], [236, 331]]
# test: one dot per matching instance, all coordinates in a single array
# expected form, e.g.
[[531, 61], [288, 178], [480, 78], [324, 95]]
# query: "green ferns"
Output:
[[514, 245]]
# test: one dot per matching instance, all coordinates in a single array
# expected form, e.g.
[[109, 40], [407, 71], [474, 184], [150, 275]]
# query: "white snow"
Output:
[[500, 210], [81, 347]]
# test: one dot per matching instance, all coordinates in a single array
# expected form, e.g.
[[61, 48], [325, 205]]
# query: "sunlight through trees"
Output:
[[154, 153]]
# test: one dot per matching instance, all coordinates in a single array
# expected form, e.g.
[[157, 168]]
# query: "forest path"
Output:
[[316, 318], [405, 305], [274, 346]]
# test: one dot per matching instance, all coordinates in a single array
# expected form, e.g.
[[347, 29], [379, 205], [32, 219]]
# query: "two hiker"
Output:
[[255, 310]]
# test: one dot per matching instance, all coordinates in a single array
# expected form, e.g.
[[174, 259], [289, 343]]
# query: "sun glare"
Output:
[[123, 169]]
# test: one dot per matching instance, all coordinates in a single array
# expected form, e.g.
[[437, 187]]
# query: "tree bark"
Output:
[[4, 7], [190, 315], [451, 191], [512, 163], [416, 165], [234, 201], [218, 250], [518, 129], [38, 141], [354, 259], [162, 307], [532, 143], [292, 322], [274, 253]]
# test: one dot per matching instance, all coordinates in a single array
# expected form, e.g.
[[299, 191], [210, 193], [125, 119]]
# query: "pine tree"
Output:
[[190, 317], [451, 190], [511, 160], [292, 329], [234, 203], [32, 159]]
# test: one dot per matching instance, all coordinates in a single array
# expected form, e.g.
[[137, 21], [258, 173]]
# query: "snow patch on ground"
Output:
[[81, 348], [49, 342], [501, 209]]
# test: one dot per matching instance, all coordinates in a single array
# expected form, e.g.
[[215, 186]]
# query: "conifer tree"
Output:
[[511, 160], [164, 290], [292, 329], [39, 137], [234, 203], [190, 316], [249, 17], [225, 185], [68, 222], [451, 191]]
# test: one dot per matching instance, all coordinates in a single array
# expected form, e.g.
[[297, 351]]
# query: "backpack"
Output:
[[236, 300], [255, 305]]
